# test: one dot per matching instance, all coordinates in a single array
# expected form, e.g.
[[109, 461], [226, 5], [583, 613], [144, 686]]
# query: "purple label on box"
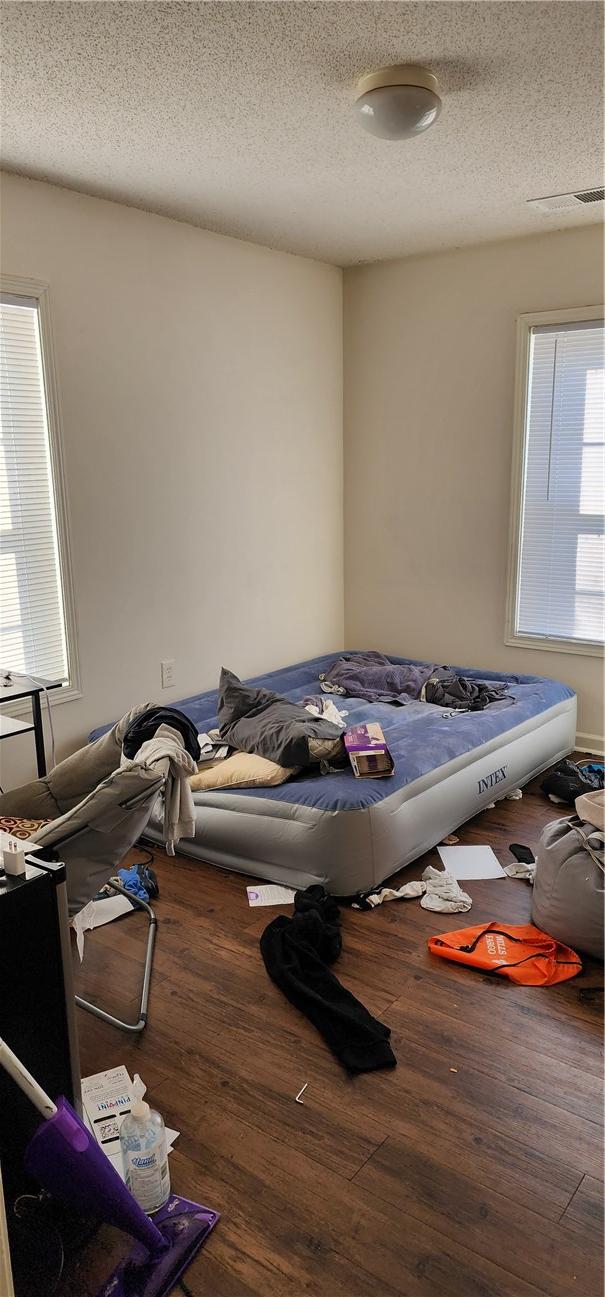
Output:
[[361, 737]]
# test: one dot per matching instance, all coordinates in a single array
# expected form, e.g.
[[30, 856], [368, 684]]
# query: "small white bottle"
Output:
[[143, 1144]]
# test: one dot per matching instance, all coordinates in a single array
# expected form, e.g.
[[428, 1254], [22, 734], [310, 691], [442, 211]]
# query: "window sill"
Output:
[[581, 648]]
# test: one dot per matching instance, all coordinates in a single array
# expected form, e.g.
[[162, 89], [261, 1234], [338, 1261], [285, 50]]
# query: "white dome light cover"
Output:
[[397, 103]]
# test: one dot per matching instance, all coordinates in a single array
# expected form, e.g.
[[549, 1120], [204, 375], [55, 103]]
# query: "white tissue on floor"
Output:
[[520, 869], [444, 893], [96, 914]]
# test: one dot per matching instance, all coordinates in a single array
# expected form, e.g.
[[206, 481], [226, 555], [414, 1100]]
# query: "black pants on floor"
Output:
[[297, 952]]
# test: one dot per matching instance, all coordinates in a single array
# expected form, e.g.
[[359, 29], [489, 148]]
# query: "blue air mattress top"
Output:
[[421, 737]]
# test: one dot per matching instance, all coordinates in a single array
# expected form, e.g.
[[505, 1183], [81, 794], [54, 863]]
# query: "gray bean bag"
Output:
[[570, 877]]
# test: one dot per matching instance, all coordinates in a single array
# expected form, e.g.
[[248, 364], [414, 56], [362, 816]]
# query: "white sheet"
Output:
[[270, 894], [470, 862]]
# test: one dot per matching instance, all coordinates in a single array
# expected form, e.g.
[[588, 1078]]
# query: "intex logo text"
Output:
[[496, 777]]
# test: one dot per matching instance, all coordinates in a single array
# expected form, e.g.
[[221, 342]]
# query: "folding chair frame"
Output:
[[141, 1022], [132, 1027]]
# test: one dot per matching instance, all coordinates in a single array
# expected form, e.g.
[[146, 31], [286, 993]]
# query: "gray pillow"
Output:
[[257, 720]]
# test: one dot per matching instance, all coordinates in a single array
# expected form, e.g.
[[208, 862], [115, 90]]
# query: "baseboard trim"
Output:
[[593, 743]]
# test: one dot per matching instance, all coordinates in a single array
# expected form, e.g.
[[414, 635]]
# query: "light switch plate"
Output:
[[167, 666]]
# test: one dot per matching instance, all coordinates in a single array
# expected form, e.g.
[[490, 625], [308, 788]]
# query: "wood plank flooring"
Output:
[[474, 1169]]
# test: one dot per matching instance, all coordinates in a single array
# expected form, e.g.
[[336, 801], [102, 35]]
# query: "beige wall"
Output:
[[429, 379], [201, 388]]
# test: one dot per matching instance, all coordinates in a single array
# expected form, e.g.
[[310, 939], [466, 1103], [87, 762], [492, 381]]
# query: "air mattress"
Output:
[[350, 834]]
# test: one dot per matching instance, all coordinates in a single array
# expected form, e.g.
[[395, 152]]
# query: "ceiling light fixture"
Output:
[[397, 103]]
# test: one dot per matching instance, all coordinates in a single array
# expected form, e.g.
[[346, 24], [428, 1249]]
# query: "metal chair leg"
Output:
[[132, 1027]]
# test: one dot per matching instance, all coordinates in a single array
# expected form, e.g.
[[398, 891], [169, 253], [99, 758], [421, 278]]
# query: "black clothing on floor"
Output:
[[568, 781], [143, 727], [297, 952]]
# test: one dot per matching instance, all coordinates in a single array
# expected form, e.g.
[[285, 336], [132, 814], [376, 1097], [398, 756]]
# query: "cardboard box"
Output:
[[368, 752]]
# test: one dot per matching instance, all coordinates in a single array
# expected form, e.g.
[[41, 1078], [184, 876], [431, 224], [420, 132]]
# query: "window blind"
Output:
[[32, 622], [561, 574]]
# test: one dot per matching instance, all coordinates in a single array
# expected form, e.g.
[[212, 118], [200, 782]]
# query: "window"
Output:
[[557, 574], [36, 618]]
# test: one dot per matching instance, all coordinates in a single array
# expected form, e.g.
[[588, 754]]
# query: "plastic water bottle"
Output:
[[143, 1144]]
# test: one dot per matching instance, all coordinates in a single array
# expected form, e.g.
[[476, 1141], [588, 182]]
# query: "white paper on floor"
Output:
[[96, 914], [270, 894], [470, 862], [106, 1098]]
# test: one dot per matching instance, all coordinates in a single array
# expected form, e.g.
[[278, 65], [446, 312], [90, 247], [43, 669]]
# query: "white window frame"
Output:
[[525, 323], [20, 286]]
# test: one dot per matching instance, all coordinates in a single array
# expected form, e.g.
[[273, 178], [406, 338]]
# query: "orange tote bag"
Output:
[[518, 951]]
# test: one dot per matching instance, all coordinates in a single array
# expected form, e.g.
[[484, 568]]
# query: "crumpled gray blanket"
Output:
[[445, 688], [257, 720], [371, 676]]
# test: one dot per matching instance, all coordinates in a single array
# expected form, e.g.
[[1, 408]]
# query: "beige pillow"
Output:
[[242, 770]]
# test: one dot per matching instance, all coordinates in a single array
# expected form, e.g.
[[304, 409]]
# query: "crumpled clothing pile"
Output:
[[439, 892], [521, 869], [167, 747]]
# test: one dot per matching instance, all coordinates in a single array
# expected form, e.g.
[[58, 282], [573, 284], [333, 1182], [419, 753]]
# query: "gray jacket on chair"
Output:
[[97, 809], [72, 779]]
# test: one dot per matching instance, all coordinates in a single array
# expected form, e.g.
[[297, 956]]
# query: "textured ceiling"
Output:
[[237, 116]]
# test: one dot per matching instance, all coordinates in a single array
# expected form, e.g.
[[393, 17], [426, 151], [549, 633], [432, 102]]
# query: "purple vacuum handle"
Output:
[[66, 1159]]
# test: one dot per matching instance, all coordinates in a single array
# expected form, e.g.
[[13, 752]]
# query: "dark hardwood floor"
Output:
[[474, 1169]]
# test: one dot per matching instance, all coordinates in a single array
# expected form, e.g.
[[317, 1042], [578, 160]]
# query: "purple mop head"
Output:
[[66, 1159], [184, 1226]]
